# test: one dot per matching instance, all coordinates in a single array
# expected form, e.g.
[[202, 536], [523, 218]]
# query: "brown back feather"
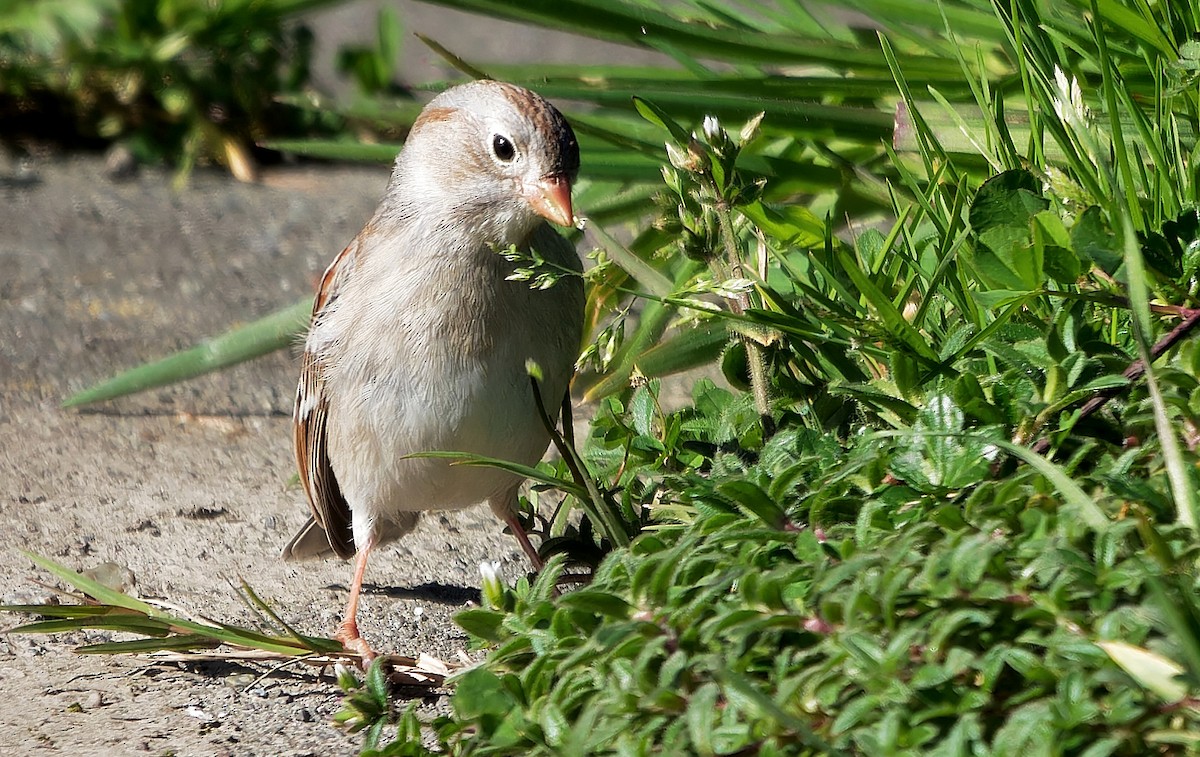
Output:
[[329, 506]]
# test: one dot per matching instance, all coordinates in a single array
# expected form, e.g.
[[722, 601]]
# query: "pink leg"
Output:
[[514, 524], [347, 632], [505, 508]]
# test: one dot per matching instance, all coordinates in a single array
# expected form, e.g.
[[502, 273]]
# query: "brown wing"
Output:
[[329, 508]]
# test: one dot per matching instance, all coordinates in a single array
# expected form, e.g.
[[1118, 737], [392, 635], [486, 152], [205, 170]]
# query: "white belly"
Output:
[[483, 408]]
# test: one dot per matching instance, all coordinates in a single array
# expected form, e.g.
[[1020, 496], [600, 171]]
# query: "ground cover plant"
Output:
[[176, 81], [949, 505], [946, 502]]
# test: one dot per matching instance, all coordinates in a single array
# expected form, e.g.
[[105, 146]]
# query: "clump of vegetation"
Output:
[[173, 80], [949, 503]]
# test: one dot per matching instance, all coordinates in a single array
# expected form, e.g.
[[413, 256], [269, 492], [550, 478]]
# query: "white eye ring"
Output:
[[503, 148]]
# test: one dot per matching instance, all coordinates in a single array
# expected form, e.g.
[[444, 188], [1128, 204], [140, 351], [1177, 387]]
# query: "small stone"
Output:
[[93, 700], [120, 164], [112, 575]]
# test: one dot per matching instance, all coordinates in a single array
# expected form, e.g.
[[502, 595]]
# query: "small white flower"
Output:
[[750, 130], [678, 157], [346, 679], [493, 586], [712, 128], [1068, 103], [731, 289]]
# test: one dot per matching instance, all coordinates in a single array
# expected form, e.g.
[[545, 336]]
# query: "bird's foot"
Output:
[[354, 643]]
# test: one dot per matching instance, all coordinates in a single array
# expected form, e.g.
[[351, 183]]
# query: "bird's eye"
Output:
[[503, 149]]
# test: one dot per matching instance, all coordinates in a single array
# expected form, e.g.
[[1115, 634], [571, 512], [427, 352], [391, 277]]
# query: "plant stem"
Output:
[[1133, 372], [599, 509], [754, 353]]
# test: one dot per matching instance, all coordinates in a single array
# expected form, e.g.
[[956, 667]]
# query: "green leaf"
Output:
[[661, 118], [1028, 730], [755, 501], [643, 410], [1153, 671], [1060, 262], [1088, 509], [479, 692], [936, 455], [702, 717], [377, 685], [1094, 240], [598, 602], [1011, 198], [789, 225], [1001, 216], [273, 332], [482, 623]]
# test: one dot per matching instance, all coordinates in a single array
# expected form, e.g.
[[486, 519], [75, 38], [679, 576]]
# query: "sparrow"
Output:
[[420, 342]]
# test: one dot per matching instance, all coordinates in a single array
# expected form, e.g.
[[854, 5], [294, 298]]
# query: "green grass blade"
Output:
[[651, 325], [177, 643], [139, 624], [336, 149], [312, 642], [893, 320], [120, 612], [90, 587], [645, 26], [273, 332], [1179, 472], [62, 611], [1088, 509], [688, 349], [524, 471], [655, 282]]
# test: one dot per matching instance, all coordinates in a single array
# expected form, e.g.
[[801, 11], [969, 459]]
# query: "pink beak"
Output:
[[550, 197]]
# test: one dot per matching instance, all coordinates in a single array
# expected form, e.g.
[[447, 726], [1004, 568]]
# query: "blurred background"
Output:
[[180, 82]]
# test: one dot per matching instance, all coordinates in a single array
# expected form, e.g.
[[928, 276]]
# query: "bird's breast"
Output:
[[433, 357]]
